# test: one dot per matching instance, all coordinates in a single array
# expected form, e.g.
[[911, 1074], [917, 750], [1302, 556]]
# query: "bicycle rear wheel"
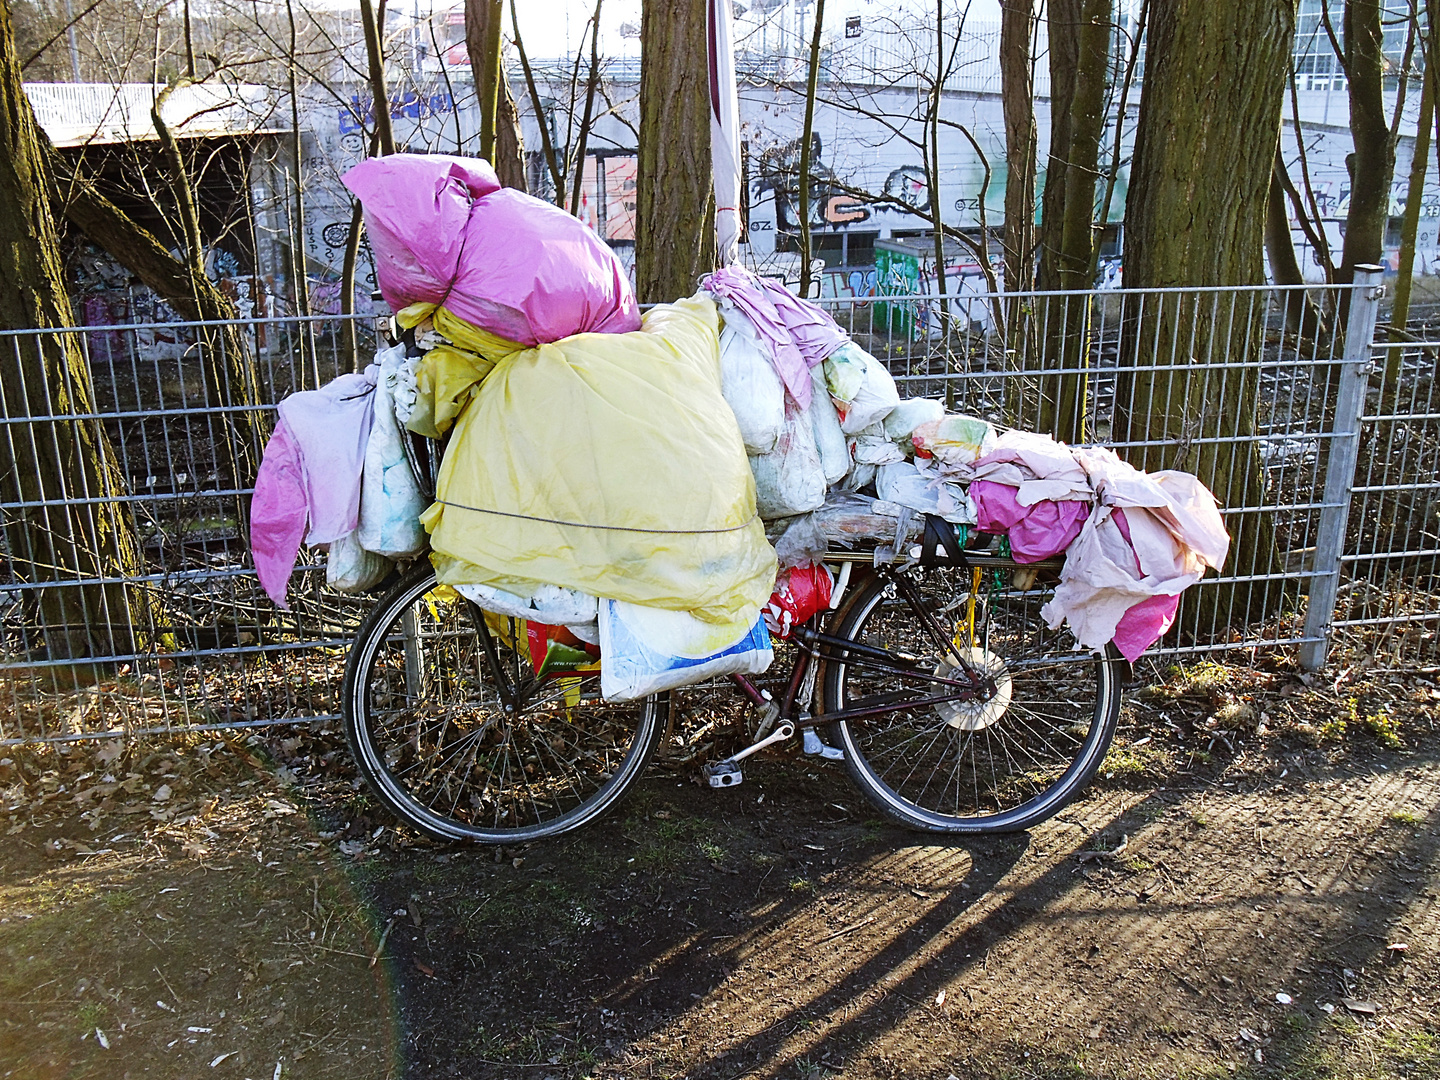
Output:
[[977, 766], [454, 733]]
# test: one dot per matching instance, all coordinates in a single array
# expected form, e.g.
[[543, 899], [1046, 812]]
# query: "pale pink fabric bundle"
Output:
[[1133, 541], [310, 474], [1150, 538], [799, 334]]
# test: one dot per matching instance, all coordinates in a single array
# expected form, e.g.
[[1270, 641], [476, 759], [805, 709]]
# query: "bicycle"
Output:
[[954, 708]]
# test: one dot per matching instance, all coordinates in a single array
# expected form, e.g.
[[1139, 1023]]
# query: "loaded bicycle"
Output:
[[933, 677]]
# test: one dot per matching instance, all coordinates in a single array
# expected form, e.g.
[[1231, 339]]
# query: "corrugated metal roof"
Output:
[[76, 114]]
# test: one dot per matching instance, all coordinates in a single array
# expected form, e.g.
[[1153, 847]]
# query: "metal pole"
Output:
[[1340, 466]]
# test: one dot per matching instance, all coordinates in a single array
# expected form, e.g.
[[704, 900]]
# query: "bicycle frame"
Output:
[[816, 646]]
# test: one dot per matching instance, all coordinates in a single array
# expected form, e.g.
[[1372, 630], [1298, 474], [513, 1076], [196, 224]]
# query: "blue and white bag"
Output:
[[645, 650]]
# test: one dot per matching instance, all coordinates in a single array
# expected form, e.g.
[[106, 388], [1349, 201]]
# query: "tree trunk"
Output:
[[500, 138], [675, 200], [1414, 191], [509, 139], [1301, 315], [1372, 165], [1017, 97], [375, 61], [63, 528], [1213, 88], [807, 133], [1079, 66], [230, 377], [592, 81]]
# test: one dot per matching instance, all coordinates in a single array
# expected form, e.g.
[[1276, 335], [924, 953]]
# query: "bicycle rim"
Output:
[[997, 765], [433, 737]]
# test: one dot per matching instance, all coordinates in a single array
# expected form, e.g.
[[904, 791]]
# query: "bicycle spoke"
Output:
[[426, 708], [969, 759]]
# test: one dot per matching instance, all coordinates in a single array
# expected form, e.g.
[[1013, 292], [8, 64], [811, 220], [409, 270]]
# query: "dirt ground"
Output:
[[1250, 889]]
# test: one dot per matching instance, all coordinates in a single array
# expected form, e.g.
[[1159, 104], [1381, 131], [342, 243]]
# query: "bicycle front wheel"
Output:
[[994, 764], [454, 733]]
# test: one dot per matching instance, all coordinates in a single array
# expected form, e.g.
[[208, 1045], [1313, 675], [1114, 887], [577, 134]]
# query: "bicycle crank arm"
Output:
[[727, 773], [784, 730]]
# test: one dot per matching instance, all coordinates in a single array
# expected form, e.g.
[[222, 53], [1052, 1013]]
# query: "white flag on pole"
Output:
[[724, 132]]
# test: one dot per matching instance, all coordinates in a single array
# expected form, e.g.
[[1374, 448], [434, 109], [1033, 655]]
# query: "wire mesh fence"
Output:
[[130, 603], [1388, 598]]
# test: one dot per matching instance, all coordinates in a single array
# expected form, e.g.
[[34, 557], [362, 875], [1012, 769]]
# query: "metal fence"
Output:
[[1253, 389]]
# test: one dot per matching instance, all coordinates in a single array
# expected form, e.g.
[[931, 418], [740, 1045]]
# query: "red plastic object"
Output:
[[799, 593]]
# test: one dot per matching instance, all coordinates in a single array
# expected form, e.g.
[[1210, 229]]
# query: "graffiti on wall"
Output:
[[837, 202], [830, 205], [360, 113]]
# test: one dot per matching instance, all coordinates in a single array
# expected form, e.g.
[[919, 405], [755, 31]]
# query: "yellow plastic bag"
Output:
[[608, 463], [449, 374]]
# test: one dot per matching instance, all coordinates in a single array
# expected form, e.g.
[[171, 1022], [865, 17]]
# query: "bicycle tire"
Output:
[[435, 743], [973, 767]]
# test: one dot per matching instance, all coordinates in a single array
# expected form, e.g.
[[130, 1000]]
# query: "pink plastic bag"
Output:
[[444, 232], [1036, 532], [1144, 623]]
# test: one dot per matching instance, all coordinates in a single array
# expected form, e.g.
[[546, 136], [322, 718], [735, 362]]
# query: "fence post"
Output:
[[1340, 465]]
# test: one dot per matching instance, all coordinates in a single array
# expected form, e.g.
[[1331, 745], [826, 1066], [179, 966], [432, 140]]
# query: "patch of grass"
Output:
[[1153, 811], [92, 1014], [711, 850], [800, 885], [1136, 865], [1385, 728], [1418, 1051], [1406, 817], [1238, 714], [1129, 762], [1159, 692], [663, 844], [1205, 679], [1333, 729], [118, 899]]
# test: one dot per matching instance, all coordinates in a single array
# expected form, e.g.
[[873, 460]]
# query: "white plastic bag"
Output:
[[955, 440], [872, 447], [825, 423], [861, 474], [910, 414], [863, 390], [549, 604], [350, 568], [790, 479], [906, 485], [390, 498], [749, 383], [646, 650]]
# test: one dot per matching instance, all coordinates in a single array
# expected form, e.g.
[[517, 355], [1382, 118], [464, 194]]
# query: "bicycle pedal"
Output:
[[816, 745], [724, 774]]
